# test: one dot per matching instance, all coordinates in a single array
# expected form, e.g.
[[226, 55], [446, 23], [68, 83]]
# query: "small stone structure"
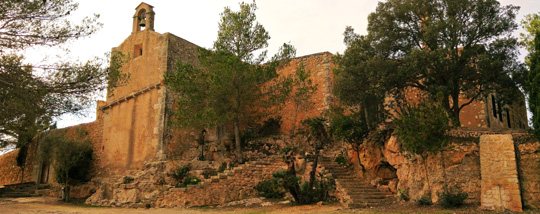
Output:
[[500, 184]]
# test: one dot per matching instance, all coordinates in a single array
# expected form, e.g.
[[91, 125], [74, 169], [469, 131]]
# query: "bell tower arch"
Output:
[[144, 18]]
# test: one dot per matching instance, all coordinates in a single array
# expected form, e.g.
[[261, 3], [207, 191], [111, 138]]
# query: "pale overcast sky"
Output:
[[310, 25]]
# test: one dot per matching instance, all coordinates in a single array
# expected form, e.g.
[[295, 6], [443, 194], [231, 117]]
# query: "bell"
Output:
[[142, 23]]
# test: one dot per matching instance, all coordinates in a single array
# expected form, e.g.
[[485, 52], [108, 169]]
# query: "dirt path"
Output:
[[52, 206]]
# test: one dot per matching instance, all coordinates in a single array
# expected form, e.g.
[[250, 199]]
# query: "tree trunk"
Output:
[[66, 187], [357, 150], [294, 189], [455, 107], [366, 117], [238, 143]]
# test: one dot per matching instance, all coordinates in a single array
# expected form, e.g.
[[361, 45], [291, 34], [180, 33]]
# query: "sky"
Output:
[[312, 26]]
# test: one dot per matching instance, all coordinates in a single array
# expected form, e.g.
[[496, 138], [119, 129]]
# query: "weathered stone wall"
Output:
[[529, 173], [320, 66], [10, 173], [500, 185], [391, 169]]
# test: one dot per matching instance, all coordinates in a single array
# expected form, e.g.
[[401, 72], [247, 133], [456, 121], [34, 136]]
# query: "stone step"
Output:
[[18, 194], [356, 205], [357, 196]]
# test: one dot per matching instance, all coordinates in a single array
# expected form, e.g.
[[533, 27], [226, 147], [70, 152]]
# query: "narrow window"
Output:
[[493, 106], [137, 51], [500, 111]]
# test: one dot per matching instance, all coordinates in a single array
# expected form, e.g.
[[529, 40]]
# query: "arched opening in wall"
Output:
[[385, 171], [137, 50], [141, 20]]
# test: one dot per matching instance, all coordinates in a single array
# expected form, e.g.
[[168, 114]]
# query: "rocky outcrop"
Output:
[[152, 188]]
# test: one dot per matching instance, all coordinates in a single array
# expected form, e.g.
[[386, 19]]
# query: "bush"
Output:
[[180, 173], [422, 129], [306, 195], [424, 201], [452, 199], [341, 160], [403, 195], [189, 180], [271, 188], [75, 158]]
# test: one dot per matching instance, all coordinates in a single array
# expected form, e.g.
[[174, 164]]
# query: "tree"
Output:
[[460, 48], [32, 95], [422, 130], [350, 128], [531, 40], [72, 158], [358, 85], [226, 88]]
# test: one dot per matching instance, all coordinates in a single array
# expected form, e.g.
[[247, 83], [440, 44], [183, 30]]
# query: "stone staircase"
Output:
[[355, 192], [257, 167], [30, 189]]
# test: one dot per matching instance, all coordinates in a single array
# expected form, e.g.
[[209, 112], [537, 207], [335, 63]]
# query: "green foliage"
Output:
[[422, 129], [403, 195], [304, 194], [128, 180], [189, 180], [461, 49], [424, 201], [31, 95], [271, 188], [72, 159], [349, 128], [180, 173], [225, 89], [317, 132], [452, 199], [341, 160], [531, 40]]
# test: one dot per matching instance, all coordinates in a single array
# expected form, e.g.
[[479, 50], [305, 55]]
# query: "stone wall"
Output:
[[500, 185], [320, 66], [391, 169], [529, 173], [10, 173]]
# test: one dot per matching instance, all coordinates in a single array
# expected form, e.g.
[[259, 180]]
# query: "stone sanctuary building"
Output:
[[135, 148]]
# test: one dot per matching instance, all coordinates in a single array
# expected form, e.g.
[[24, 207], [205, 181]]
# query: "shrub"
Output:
[[190, 180], [403, 195], [181, 172], [424, 201], [452, 199], [341, 160], [128, 179], [305, 195], [73, 159], [271, 188], [422, 129]]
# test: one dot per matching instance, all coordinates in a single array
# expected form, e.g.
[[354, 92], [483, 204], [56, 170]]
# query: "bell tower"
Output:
[[143, 18]]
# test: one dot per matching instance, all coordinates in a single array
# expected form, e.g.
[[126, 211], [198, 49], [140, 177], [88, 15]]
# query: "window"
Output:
[[137, 51], [493, 106]]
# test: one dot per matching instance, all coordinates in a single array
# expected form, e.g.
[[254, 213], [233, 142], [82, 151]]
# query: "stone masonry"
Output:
[[500, 185]]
